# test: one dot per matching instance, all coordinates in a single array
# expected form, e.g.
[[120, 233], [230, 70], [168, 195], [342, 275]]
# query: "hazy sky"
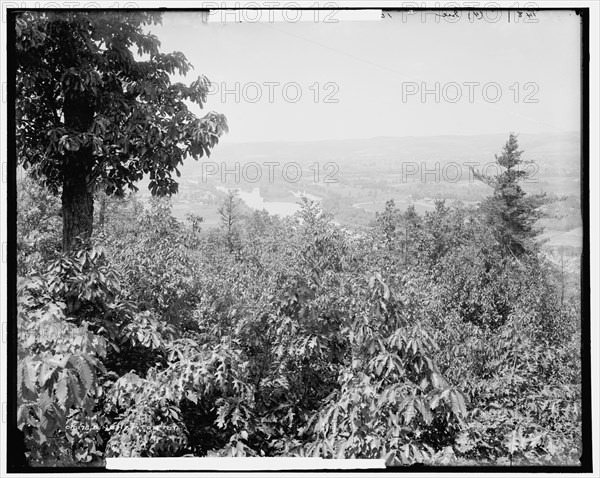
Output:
[[377, 71]]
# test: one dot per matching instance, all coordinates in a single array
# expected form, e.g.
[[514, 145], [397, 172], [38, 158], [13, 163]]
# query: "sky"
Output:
[[408, 75]]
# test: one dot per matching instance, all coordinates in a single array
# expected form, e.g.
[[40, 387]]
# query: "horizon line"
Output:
[[519, 134]]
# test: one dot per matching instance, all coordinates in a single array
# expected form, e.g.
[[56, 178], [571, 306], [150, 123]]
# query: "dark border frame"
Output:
[[15, 449]]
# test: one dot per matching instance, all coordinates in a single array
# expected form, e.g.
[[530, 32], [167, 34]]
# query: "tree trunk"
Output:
[[102, 212], [77, 196], [77, 208]]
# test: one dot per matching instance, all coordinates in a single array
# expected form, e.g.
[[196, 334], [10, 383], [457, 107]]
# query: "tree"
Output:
[[511, 212], [195, 220], [92, 116], [388, 223], [230, 217]]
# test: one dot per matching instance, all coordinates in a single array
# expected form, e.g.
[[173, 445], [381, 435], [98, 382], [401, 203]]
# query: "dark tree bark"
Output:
[[102, 211], [77, 195], [77, 206]]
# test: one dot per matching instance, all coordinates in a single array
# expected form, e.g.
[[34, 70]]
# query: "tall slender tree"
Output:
[[230, 218], [510, 211], [96, 109]]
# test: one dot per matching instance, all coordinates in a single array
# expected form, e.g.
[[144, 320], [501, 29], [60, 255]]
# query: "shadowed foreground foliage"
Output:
[[422, 339]]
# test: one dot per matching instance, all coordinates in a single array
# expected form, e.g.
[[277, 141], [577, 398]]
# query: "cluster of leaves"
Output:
[[61, 352], [157, 270], [39, 223]]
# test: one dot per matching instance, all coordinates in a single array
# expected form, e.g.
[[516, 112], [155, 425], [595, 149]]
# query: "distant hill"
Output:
[[559, 153]]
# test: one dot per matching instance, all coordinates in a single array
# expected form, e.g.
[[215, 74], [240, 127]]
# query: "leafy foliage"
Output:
[[60, 358], [425, 339], [38, 229]]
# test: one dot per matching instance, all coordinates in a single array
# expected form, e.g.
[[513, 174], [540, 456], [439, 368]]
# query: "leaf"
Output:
[[390, 458], [85, 374], [551, 447], [341, 451], [62, 391], [461, 403], [425, 412], [44, 401], [46, 373], [434, 402], [409, 411], [458, 403], [515, 440], [39, 436], [82, 455], [192, 397], [418, 456], [48, 423], [463, 443], [27, 382], [77, 393], [371, 282]]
